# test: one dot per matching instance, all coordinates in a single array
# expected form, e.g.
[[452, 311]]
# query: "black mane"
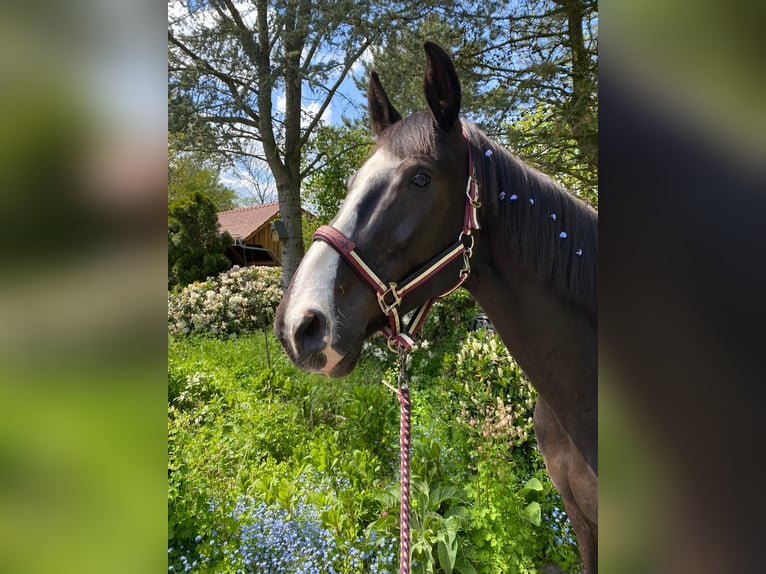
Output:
[[530, 230]]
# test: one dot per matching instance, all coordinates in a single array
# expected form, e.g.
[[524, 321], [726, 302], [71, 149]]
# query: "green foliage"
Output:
[[450, 317], [195, 247], [239, 428], [517, 526], [496, 399], [400, 61], [314, 461], [340, 150], [187, 174], [438, 517], [546, 141], [309, 226]]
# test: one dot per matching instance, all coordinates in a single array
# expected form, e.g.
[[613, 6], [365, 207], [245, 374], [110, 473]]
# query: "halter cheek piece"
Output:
[[390, 294]]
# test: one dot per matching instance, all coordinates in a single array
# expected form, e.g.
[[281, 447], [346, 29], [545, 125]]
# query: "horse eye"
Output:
[[421, 179]]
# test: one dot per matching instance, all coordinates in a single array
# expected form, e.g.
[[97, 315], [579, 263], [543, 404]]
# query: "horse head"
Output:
[[404, 206]]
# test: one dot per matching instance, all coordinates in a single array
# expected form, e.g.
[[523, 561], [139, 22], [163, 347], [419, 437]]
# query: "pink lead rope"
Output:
[[404, 470]]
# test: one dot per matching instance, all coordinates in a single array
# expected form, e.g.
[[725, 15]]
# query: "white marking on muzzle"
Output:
[[313, 289], [333, 358], [313, 285]]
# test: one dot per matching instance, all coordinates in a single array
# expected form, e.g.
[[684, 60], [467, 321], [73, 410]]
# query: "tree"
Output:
[[195, 246], [340, 150], [399, 61], [529, 73], [241, 80], [186, 175], [542, 84]]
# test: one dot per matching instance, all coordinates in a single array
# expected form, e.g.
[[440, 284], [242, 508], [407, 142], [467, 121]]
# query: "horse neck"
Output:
[[552, 339]]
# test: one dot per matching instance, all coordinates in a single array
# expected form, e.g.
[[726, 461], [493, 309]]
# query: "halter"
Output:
[[390, 294]]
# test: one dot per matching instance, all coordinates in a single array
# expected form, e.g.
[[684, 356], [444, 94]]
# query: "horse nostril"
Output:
[[311, 331]]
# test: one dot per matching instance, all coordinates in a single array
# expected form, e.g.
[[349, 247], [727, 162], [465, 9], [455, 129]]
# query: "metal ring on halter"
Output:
[[469, 247], [385, 307]]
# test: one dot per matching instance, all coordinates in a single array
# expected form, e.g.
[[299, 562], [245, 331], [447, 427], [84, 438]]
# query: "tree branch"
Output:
[[331, 92]]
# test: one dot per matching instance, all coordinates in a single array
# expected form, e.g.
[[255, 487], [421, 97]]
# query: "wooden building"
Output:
[[256, 242]]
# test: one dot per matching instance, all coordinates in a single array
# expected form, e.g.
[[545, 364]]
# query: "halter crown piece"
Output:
[[390, 294]]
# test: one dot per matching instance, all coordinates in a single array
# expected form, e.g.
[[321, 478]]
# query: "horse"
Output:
[[437, 204]]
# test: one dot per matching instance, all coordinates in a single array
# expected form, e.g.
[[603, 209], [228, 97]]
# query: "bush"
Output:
[[195, 246], [496, 398], [450, 318], [236, 302]]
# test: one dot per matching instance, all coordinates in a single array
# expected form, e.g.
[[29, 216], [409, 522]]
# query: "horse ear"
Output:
[[382, 113], [441, 86]]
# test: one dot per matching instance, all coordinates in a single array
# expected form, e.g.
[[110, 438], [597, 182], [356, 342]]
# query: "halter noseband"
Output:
[[390, 294]]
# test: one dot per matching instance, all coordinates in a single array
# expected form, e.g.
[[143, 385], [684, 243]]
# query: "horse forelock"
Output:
[[413, 135], [553, 232]]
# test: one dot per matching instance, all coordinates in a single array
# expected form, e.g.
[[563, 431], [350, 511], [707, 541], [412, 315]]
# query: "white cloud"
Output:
[[310, 111]]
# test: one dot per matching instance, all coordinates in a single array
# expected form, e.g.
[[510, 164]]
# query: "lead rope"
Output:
[[404, 459], [403, 394]]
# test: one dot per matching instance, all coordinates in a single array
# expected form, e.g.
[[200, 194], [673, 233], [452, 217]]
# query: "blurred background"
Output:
[[83, 285]]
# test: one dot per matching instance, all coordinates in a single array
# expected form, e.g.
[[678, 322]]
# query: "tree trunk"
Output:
[[286, 170], [290, 212], [580, 118]]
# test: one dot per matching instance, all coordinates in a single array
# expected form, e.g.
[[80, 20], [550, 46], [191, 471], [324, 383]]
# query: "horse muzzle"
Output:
[[308, 340]]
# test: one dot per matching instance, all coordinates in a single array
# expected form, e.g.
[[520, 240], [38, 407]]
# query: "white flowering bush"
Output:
[[497, 398], [238, 301]]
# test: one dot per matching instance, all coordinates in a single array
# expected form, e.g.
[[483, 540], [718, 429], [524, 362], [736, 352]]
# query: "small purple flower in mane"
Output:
[[488, 154], [502, 195], [514, 197], [579, 252], [563, 235], [553, 216], [531, 201]]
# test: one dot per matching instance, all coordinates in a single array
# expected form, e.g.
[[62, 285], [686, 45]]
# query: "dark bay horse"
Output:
[[438, 204]]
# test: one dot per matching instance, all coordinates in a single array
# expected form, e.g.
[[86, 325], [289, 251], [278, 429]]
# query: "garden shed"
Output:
[[255, 231]]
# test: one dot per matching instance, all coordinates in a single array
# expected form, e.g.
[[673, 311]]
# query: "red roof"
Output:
[[244, 221]]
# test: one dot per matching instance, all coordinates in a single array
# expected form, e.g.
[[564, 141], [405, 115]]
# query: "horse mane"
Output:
[[524, 228], [526, 224]]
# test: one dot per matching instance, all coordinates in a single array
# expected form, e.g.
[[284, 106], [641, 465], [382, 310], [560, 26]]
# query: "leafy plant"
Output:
[[439, 515], [195, 246], [516, 524]]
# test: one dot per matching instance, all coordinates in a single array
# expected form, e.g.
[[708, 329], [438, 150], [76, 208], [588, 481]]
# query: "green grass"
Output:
[[246, 423]]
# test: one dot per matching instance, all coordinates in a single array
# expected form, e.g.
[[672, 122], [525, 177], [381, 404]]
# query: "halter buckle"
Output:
[[387, 307], [473, 186], [396, 346]]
